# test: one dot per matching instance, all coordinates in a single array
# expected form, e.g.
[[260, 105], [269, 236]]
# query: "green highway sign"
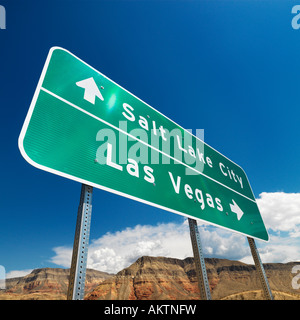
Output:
[[83, 126]]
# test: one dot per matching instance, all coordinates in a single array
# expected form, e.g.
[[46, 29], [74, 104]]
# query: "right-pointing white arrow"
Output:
[[236, 209]]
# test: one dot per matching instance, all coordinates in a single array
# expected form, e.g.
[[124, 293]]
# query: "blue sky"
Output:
[[228, 67]]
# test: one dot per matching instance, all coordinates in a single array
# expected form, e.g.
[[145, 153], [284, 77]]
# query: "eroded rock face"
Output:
[[162, 278], [48, 284], [158, 278]]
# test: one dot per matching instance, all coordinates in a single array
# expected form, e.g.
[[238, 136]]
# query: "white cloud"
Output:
[[281, 211], [63, 256], [220, 243], [114, 251], [281, 215], [278, 249], [17, 273]]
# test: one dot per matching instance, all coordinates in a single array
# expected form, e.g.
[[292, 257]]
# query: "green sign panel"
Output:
[[83, 126]]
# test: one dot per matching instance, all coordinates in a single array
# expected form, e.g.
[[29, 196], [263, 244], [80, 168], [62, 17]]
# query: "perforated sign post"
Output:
[[83, 126]]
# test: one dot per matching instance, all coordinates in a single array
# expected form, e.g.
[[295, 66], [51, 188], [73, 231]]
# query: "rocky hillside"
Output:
[[165, 278], [158, 278], [47, 284]]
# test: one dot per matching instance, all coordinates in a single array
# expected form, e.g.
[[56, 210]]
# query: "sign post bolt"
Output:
[[260, 270], [199, 261], [80, 247]]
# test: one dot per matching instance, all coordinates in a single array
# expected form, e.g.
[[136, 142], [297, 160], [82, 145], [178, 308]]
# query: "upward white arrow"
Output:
[[236, 209], [91, 90]]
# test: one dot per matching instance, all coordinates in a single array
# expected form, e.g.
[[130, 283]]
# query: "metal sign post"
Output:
[[260, 270], [199, 261], [80, 247]]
